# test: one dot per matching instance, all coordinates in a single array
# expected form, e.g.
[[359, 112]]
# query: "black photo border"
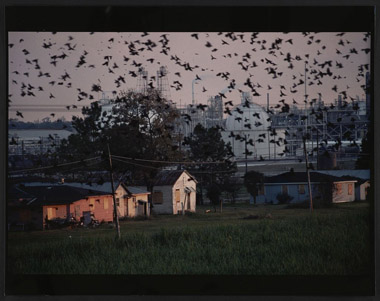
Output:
[[192, 16]]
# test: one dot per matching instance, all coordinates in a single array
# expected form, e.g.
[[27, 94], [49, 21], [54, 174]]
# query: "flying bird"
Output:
[[18, 113]]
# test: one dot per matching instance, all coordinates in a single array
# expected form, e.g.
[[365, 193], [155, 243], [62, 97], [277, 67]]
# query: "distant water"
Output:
[[36, 134]]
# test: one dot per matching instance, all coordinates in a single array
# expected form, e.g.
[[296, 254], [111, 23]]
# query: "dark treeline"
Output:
[[46, 123]]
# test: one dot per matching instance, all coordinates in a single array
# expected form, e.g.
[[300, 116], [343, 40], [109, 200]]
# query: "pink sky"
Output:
[[188, 50]]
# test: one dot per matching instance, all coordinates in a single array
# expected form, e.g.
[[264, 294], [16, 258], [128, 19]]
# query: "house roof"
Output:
[[17, 197], [134, 190], [359, 180], [59, 194], [169, 177], [301, 177], [363, 174], [104, 187], [15, 193]]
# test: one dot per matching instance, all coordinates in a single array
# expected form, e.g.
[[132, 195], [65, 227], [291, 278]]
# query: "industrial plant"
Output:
[[255, 132]]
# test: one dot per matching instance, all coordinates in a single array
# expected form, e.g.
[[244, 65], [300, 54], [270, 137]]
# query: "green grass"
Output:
[[333, 241]]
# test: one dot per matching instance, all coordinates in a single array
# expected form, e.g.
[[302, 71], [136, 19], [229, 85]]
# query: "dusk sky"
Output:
[[55, 82]]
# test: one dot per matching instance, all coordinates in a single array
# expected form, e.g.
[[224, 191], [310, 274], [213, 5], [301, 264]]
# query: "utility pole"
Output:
[[308, 175], [268, 133], [115, 214], [317, 149], [268, 130], [246, 154], [306, 114]]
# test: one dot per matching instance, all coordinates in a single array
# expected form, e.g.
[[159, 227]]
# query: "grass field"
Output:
[[273, 241]]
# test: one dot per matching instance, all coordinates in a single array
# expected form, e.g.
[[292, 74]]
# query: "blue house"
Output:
[[295, 185]]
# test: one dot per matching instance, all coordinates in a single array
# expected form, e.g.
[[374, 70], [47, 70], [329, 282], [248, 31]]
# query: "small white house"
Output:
[[174, 192], [361, 175], [131, 201], [362, 190]]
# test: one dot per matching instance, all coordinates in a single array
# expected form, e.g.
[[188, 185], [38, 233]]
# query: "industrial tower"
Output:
[[142, 81], [163, 82]]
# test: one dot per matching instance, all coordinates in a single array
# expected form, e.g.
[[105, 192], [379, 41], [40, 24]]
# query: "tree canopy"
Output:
[[139, 126], [213, 155], [252, 180]]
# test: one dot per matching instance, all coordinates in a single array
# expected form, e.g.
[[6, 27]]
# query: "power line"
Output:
[[193, 171], [170, 162], [135, 163], [43, 105], [212, 172], [90, 164], [45, 110], [180, 162], [53, 166]]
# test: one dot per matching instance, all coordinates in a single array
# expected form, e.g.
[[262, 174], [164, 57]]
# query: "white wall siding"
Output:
[[344, 196], [166, 207], [169, 206], [184, 181], [120, 193], [362, 191]]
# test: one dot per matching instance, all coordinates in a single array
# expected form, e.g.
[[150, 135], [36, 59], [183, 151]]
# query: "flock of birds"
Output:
[[136, 58]]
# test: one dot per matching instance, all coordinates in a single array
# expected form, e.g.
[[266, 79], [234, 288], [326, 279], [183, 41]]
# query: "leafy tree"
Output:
[[252, 180], [88, 140], [207, 147], [147, 123], [140, 126], [213, 193], [231, 186]]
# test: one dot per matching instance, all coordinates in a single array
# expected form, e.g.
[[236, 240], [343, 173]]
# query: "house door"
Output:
[[77, 212], [86, 217], [51, 213], [25, 215], [140, 208], [125, 207], [188, 200]]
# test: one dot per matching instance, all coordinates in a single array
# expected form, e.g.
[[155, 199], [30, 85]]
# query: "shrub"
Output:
[[284, 198], [213, 193]]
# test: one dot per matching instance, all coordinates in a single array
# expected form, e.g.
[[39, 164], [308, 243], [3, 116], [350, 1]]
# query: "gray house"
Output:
[[295, 185], [174, 192]]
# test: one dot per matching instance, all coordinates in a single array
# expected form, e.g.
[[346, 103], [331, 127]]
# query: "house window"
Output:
[[177, 196], [51, 213], [92, 205], [301, 189], [158, 197], [350, 189], [117, 202], [77, 210], [338, 188], [285, 189], [261, 190], [105, 202]]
